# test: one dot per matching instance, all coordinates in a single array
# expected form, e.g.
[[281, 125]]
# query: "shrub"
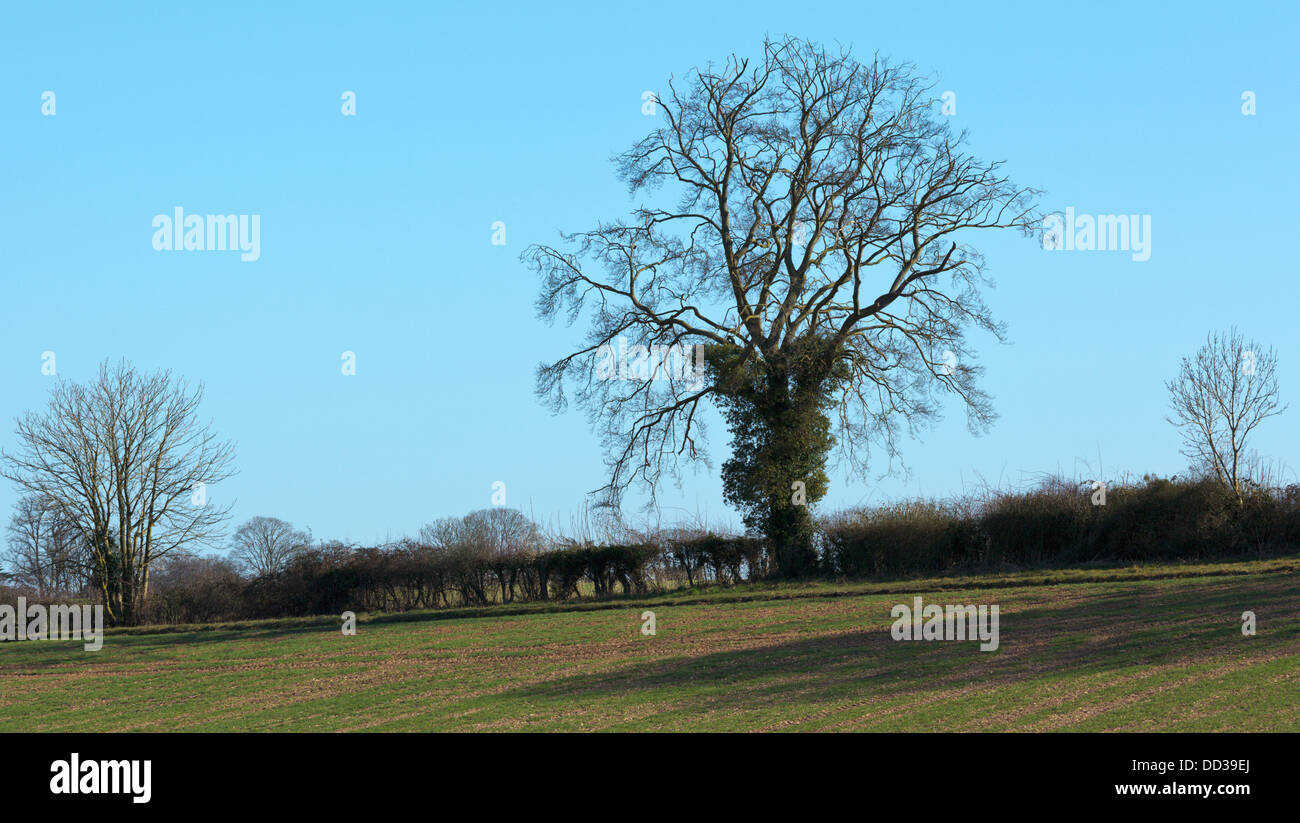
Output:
[[1058, 523], [923, 536], [188, 589]]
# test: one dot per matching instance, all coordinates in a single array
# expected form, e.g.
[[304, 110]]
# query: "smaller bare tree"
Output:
[[46, 552], [267, 544], [1220, 396]]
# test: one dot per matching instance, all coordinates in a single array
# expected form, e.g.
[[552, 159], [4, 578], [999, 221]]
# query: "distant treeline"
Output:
[[334, 578], [497, 556]]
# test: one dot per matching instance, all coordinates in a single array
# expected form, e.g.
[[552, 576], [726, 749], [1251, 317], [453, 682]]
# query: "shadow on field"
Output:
[[35, 657], [1080, 634]]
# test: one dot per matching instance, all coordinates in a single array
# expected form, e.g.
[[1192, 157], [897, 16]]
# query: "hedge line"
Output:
[[333, 579], [1056, 524]]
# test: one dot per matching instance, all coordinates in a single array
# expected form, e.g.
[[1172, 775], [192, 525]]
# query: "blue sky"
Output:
[[376, 229]]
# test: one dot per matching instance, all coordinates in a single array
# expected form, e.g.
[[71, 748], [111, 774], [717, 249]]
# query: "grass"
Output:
[[1144, 648]]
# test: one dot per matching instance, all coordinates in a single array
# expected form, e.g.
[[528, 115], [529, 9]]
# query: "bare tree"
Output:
[[487, 548], [267, 544], [46, 553], [507, 540], [818, 245], [1220, 396], [126, 460]]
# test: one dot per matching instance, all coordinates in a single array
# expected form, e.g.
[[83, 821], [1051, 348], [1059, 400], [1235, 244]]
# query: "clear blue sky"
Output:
[[376, 229]]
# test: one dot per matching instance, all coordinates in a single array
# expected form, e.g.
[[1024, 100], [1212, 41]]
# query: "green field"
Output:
[[1149, 648]]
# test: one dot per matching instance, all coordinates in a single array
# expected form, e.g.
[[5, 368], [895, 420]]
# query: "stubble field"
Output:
[[1134, 649]]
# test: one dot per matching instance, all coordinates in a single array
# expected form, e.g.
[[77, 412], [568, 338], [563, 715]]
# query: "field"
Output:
[[1133, 649]]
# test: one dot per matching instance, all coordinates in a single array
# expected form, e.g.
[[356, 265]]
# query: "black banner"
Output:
[[331, 773]]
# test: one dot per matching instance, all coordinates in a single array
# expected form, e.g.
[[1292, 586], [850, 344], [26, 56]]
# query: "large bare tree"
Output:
[[126, 460], [818, 247], [1218, 399], [267, 544]]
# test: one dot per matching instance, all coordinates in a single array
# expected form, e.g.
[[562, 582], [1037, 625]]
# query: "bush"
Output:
[[1057, 523], [904, 538], [188, 589], [1040, 526], [707, 557], [1162, 519]]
